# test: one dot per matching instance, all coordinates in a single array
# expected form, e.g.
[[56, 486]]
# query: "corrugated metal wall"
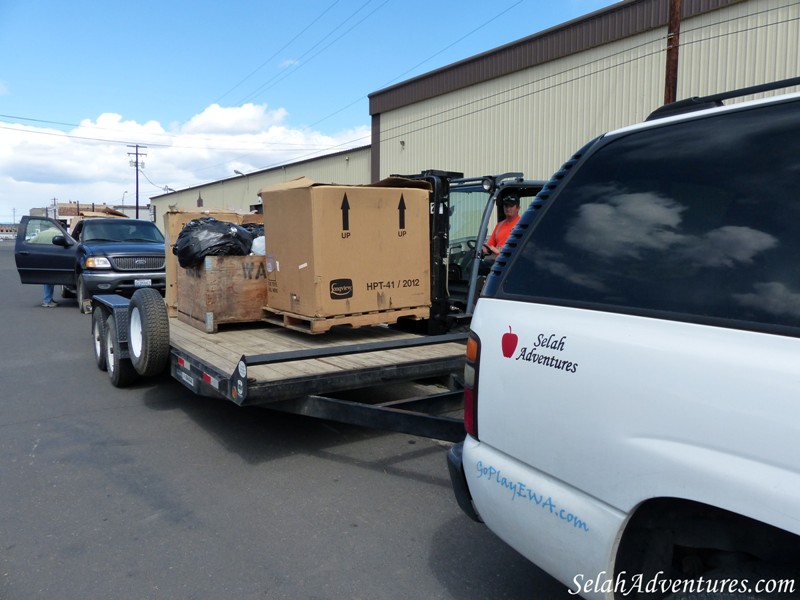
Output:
[[749, 43], [240, 192], [533, 120]]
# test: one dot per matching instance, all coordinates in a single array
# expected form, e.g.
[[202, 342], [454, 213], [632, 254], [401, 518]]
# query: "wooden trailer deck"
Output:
[[289, 378]]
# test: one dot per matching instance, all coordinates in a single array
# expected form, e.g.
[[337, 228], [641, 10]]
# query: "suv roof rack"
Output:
[[699, 103]]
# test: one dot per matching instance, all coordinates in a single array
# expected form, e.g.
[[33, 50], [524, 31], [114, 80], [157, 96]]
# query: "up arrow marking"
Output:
[[401, 208], [345, 214]]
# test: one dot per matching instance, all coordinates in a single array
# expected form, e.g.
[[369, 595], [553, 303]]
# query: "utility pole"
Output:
[[673, 35], [136, 164]]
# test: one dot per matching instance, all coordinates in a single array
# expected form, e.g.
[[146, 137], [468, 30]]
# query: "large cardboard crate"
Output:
[[336, 250], [174, 222], [223, 289]]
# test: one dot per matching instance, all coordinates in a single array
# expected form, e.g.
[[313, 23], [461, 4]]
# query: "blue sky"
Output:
[[211, 87]]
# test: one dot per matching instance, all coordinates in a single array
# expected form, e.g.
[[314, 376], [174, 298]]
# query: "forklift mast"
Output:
[[439, 215], [453, 302]]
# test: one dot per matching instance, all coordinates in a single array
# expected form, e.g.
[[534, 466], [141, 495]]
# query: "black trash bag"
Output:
[[255, 229], [209, 237]]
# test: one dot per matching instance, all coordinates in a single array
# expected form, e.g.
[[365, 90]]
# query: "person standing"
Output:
[[45, 236]]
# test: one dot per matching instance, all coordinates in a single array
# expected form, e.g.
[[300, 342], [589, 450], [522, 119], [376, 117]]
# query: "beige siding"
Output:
[[534, 119], [747, 44], [240, 192]]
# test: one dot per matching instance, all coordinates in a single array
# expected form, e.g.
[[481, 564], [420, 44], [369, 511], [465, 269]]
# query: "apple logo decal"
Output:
[[509, 343]]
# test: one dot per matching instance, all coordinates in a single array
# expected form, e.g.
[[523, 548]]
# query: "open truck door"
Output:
[[44, 252]]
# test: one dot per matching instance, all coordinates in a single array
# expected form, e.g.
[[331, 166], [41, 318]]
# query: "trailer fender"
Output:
[[119, 367], [148, 332], [99, 317]]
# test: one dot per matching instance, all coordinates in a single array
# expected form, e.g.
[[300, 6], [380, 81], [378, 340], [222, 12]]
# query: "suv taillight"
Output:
[[471, 385]]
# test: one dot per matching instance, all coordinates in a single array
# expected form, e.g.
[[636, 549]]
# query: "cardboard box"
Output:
[[174, 222], [342, 250], [223, 289]]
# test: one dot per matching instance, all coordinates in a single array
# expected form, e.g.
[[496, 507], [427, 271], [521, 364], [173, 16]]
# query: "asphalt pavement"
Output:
[[153, 492]]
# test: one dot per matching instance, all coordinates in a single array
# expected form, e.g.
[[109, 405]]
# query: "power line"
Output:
[[276, 146], [419, 64], [302, 63], [277, 52]]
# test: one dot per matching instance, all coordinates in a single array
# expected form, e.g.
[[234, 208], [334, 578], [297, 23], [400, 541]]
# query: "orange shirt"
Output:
[[501, 232]]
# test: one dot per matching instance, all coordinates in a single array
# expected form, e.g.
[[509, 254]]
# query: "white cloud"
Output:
[[3, 88], [250, 118], [91, 162]]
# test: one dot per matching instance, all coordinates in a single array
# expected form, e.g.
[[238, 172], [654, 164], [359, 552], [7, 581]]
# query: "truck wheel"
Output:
[[120, 370], [82, 294], [148, 332], [99, 337]]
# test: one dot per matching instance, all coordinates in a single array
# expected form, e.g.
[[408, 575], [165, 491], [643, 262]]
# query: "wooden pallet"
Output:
[[317, 325]]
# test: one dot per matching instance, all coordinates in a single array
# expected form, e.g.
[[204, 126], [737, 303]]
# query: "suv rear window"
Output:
[[691, 220]]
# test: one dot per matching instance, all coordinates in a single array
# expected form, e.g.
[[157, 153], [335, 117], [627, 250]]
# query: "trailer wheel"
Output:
[[99, 337], [120, 370], [148, 332]]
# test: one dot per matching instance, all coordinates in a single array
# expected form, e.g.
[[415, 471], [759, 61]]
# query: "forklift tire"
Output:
[[120, 370], [99, 337], [148, 332]]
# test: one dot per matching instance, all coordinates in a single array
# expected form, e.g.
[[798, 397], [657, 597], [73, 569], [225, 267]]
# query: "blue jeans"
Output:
[[49, 289]]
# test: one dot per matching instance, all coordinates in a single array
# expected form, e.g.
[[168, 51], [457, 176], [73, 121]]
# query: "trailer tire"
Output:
[[148, 332], [120, 370], [99, 337]]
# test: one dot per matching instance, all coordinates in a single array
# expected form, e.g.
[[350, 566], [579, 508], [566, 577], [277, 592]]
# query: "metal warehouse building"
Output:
[[528, 105]]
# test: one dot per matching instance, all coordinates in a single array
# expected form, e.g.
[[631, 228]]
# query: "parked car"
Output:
[[632, 371], [104, 255]]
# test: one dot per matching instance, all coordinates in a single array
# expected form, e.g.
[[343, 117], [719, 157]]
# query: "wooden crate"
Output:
[[174, 222], [223, 289]]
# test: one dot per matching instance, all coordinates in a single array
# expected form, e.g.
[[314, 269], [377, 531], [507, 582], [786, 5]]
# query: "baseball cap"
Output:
[[511, 200]]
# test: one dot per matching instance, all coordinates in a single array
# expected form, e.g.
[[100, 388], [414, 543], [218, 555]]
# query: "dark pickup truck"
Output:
[[105, 255]]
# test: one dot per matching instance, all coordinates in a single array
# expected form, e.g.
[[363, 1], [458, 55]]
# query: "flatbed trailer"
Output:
[[277, 367], [281, 369]]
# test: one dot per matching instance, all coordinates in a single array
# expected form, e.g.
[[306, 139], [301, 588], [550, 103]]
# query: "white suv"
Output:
[[633, 373]]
